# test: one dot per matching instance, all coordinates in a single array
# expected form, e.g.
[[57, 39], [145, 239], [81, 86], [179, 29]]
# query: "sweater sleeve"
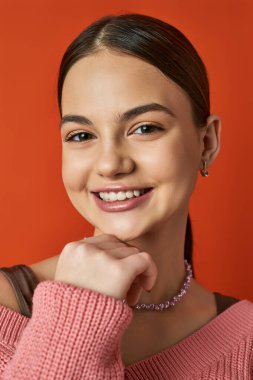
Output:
[[74, 333]]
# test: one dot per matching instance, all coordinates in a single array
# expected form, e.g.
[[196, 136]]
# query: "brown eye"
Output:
[[148, 129], [78, 137]]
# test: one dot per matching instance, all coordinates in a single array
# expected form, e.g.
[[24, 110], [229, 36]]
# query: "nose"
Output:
[[113, 160]]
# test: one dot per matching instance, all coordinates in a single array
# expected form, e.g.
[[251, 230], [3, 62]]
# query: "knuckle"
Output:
[[146, 256], [69, 246], [79, 249], [82, 249], [76, 248]]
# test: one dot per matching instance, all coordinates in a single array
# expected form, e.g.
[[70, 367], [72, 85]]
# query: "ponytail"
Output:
[[188, 246]]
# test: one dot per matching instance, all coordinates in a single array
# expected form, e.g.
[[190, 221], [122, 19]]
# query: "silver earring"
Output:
[[203, 171]]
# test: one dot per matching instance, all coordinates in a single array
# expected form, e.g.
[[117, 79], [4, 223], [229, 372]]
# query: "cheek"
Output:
[[183, 164], [173, 160], [75, 171], [177, 174], [175, 169]]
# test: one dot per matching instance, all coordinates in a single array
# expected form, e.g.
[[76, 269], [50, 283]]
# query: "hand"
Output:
[[107, 265]]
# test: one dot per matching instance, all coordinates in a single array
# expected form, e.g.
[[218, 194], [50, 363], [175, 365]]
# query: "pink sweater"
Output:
[[75, 333]]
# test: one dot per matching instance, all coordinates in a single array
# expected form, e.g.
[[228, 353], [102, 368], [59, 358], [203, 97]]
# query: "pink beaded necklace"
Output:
[[171, 302]]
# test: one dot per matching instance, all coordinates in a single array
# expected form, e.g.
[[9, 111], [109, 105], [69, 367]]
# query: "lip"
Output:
[[116, 188], [126, 205]]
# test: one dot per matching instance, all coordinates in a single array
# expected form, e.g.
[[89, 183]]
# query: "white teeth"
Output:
[[120, 196], [129, 194], [136, 193]]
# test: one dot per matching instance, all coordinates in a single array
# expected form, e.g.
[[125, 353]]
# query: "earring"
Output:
[[203, 171]]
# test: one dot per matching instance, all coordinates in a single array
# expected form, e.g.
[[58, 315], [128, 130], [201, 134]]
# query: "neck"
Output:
[[165, 243], [166, 247]]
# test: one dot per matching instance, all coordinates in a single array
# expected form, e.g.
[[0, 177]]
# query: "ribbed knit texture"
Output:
[[75, 333]]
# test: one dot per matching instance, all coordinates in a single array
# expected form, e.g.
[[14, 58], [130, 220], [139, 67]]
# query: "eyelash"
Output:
[[71, 135]]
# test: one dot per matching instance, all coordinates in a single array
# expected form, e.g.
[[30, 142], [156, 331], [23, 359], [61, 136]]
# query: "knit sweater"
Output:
[[75, 333]]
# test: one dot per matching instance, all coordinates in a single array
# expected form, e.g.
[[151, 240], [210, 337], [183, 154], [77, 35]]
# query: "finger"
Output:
[[142, 264], [103, 237], [105, 240], [110, 238], [134, 294], [118, 253], [122, 252]]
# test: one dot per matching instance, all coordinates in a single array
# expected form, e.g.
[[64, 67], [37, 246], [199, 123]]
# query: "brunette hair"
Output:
[[157, 43]]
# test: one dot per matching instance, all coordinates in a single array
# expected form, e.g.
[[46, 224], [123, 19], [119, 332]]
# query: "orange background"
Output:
[[37, 218]]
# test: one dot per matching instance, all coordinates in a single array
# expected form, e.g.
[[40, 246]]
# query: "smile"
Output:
[[121, 195], [122, 200]]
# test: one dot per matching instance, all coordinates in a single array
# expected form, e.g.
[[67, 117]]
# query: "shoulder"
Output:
[[43, 270], [239, 319], [7, 295], [242, 311], [248, 307], [245, 306]]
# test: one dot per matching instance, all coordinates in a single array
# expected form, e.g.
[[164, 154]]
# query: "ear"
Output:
[[210, 140]]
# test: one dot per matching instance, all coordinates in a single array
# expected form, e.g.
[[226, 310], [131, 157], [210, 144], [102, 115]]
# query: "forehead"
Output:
[[114, 81]]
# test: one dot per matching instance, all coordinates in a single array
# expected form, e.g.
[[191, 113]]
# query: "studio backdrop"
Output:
[[37, 218]]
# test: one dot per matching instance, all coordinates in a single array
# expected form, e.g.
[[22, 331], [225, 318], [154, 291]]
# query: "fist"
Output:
[[107, 265]]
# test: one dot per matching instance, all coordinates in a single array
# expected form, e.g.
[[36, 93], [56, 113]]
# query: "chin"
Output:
[[124, 235]]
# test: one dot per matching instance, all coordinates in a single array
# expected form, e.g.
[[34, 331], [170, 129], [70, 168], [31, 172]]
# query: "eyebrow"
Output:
[[126, 116]]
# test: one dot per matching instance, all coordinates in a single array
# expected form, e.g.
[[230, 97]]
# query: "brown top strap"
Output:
[[223, 302], [23, 282]]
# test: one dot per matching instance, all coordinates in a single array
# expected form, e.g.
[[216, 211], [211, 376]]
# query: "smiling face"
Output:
[[109, 149]]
